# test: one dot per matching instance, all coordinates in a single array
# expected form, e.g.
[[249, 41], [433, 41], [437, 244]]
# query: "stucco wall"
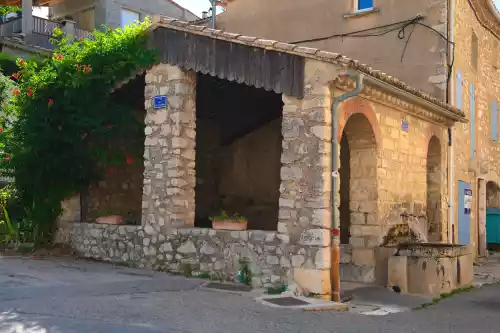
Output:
[[487, 82], [424, 62]]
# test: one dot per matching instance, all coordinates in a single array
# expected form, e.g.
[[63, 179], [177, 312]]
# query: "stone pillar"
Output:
[[304, 205], [27, 25], [69, 28], [169, 156]]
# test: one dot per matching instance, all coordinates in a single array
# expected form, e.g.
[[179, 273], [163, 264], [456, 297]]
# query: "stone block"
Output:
[[358, 218], [322, 259], [363, 257], [397, 272], [315, 281]]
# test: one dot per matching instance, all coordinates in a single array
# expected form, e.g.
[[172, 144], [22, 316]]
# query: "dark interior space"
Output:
[[238, 152], [345, 178], [119, 191]]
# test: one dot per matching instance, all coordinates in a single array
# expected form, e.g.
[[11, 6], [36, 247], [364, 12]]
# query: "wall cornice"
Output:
[[487, 14]]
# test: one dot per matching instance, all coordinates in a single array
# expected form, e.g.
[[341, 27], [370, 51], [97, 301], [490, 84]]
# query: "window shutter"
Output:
[[472, 121], [494, 120], [459, 92]]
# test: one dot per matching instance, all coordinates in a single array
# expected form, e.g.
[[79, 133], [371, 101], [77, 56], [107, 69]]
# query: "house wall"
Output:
[[486, 79], [424, 61], [107, 12], [300, 250]]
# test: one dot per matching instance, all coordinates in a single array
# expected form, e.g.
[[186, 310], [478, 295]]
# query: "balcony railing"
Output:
[[43, 30]]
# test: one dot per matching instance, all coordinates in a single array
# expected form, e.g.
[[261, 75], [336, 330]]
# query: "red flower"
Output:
[[78, 67], [85, 135], [59, 57], [110, 125], [7, 157], [82, 39], [29, 92], [51, 102], [87, 68], [22, 62], [16, 76], [110, 28], [16, 91], [1, 130], [129, 160]]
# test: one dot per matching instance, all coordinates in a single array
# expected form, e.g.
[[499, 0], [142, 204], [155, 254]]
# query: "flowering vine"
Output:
[[60, 127]]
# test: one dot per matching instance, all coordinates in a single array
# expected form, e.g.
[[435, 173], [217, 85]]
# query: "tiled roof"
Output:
[[308, 52]]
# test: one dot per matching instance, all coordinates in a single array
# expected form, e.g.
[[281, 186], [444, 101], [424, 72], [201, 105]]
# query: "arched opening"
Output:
[[434, 178], [358, 179], [493, 216]]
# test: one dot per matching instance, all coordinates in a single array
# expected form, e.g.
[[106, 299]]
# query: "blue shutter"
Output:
[[459, 92], [365, 4], [494, 121], [472, 121]]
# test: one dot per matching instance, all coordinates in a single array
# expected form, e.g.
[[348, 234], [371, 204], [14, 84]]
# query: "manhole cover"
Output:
[[286, 301], [228, 287]]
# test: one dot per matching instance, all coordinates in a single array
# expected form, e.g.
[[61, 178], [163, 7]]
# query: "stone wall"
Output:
[[486, 79], [388, 173], [242, 177], [204, 251]]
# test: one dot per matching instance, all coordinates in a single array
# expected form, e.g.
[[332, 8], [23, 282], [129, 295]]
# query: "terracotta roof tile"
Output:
[[305, 52]]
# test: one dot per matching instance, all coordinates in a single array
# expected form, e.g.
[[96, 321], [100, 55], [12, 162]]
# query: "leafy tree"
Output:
[[60, 125]]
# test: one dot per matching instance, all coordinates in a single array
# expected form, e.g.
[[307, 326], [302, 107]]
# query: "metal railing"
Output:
[[43, 30], [44, 27]]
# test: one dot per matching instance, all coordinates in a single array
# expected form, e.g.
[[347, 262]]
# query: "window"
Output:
[[363, 4], [494, 121], [474, 50], [128, 17]]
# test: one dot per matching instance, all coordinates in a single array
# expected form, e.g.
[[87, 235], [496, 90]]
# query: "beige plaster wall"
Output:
[[424, 61]]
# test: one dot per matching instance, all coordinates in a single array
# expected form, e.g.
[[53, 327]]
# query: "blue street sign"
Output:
[[160, 102]]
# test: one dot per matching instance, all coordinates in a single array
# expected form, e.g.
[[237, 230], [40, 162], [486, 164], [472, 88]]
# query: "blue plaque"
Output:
[[404, 125], [160, 102]]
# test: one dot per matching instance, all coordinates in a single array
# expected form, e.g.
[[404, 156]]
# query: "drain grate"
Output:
[[228, 287], [286, 301]]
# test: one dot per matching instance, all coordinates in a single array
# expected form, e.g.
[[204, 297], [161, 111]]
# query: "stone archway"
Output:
[[358, 198], [434, 179]]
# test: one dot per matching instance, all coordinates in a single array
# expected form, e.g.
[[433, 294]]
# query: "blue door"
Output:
[[464, 209]]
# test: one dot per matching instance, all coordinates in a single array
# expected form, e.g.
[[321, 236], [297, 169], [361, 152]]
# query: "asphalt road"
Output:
[[76, 296]]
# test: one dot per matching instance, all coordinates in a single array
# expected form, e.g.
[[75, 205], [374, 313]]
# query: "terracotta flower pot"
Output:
[[229, 224], [113, 219]]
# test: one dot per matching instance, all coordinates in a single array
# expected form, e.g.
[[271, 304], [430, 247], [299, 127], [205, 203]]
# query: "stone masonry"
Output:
[[390, 172]]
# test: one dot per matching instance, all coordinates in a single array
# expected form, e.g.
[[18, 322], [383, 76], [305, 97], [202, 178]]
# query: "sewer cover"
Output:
[[228, 287], [286, 301]]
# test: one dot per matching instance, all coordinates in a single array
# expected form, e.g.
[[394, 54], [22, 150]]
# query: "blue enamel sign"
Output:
[[404, 125], [160, 102]]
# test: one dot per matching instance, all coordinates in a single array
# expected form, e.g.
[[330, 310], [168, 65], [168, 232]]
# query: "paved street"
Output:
[[68, 296]]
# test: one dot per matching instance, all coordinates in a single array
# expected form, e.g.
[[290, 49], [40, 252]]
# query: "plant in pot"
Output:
[[226, 221]]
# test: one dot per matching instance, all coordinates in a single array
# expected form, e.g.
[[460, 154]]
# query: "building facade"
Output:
[[446, 48], [393, 149], [92, 14]]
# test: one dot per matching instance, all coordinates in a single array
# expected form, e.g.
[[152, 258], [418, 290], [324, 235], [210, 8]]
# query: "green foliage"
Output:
[[276, 290], [4, 10], [62, 127], [224, 216], [245, 273]]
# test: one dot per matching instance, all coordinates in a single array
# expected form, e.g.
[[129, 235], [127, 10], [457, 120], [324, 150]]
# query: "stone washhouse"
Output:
[[248, 127]]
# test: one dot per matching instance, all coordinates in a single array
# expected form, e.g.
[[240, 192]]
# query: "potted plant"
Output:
[[226, 221]]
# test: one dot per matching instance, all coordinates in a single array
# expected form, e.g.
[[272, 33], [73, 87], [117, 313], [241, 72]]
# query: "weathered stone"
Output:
[[315, 237], [187, 247], [207, 249], [272, 260], [298, 260]]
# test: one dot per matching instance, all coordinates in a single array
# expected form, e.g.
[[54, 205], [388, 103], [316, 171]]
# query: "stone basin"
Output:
[[430, 268]]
